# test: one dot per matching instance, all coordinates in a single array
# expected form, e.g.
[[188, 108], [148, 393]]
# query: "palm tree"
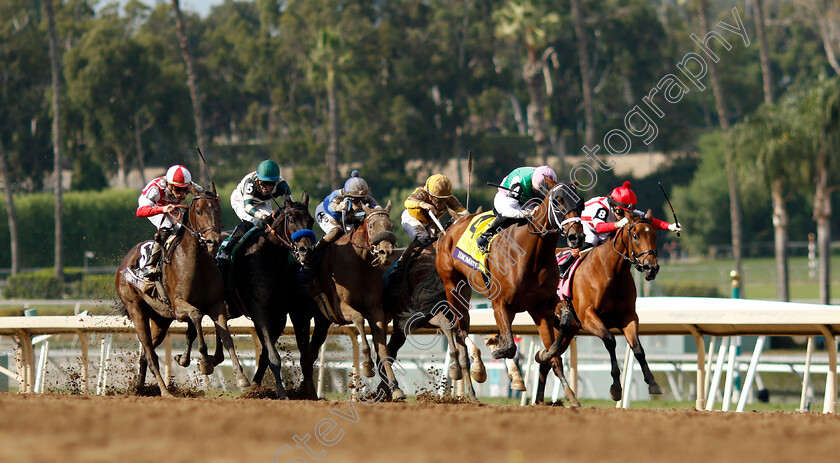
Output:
[[585, 74], [525, 22], [9, 190], [821, 117], [55, 67], [732, 175], [192, 76], [325, 63]]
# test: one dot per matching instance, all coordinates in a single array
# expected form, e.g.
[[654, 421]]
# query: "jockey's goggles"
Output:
[[267, 184], [180, 189]]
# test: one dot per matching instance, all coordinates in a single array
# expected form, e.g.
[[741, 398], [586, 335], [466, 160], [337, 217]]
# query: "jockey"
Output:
[[511, 202], [160, 197], [251, 201], [349, 200], [604, 214], [435, 198]]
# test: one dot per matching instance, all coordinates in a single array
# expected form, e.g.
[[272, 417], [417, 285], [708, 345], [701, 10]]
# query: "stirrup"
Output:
[[149, 273]]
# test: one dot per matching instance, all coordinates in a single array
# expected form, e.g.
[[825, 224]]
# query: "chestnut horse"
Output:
[[193, 286], [259, 288], [604, 297], [523, 276], [350, 277]]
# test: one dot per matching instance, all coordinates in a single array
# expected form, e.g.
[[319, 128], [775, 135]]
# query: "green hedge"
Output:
[[43, 285], [690, 290]]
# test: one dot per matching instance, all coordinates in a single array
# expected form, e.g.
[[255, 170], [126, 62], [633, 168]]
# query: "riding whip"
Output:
[[204, 161], [437, 222], [676, 220], [469, 179]]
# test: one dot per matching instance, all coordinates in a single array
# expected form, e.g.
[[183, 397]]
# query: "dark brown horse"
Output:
[[604, 296], [193, 286], [261, 286], [350, 275], [523, 276]]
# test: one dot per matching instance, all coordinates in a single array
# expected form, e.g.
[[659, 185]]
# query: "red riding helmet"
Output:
[[623, 197]]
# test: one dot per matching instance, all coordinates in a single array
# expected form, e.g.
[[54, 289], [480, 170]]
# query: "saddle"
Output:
[[467, 251]]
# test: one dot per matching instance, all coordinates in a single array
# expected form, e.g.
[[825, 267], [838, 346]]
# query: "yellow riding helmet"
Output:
[[439, 186]]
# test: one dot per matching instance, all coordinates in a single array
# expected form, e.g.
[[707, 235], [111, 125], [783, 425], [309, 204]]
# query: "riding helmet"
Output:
[[178, 176], [439, 186], [540, 174], [623, 197], [356, 186], [268, 171]]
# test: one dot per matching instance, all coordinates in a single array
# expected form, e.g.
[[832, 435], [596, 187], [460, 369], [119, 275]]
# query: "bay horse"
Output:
[[259, 287], [350, 276], [193, 285], [523, 276], [415, 298], [604, 296]]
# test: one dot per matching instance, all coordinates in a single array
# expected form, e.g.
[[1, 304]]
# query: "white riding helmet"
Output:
[[178, 176]]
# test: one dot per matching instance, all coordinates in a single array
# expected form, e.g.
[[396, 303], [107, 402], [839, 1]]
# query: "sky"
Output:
[[202, 7]]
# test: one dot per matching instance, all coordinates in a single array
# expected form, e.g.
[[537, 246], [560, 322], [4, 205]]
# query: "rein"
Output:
[[554, 214], [282, 236], [634, 259], [199, 235]]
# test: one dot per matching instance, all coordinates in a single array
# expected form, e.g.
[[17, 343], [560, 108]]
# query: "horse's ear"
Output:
[[287, 199], [649, 214], [213, 187], [305, 198], [366, 209], [388, 207]]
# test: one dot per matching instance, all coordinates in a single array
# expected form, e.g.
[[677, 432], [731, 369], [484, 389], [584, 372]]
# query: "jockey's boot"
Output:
[[223, 256], [498, 224], [151, 270]]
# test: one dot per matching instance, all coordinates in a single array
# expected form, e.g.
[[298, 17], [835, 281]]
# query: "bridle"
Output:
[[634, 259], [368, 246], [555, 212], [198, 234], [284, 235]]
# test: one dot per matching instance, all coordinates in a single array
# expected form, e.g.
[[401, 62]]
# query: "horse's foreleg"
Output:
[[367, 362], [206, 365], [377, 330], [218, 355], [184, 359], [223, 337], [143, 329], [319, 336], [477, 371], [598, 329], [631, 333], [543, 378], [274, 361], [559, 340], [504, 319], [262, 358], [464, 360], [301, 322], [441, 321]]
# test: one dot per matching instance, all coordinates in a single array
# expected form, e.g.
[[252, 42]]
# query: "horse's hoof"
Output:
[[478, 372], [182, 360], [243, 383], [367, 370], [397, 394], [540, 357], [455, 372], [504, 352], [571, 398], [518, 385], [654, 389], [218, 360], [206, 368], [615, 393], [281, 394]]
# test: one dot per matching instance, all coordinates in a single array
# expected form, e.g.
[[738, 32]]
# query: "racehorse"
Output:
[[604, 296], [350, 277], [412, 298], [259, 287], [193, 286], [523, 276]]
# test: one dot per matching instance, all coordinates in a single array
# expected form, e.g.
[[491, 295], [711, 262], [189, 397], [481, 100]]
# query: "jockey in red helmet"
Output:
[[159, 198], [604, 214]]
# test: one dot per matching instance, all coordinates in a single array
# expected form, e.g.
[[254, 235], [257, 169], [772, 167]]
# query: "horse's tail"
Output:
[[425, 301], [118, 307]]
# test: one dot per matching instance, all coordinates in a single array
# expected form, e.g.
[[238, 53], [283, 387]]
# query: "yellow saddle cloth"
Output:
[[466, 250]]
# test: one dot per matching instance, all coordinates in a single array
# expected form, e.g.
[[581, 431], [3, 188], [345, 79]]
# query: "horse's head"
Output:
[[641, 245], [380, 233], [205, 218], [563, 206], [290, 225]]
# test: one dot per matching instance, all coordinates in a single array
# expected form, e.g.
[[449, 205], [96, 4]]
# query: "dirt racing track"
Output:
[[42, 428]]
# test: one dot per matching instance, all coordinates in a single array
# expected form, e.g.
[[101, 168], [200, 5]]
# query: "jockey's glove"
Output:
[[675, 227], [621, 223], [261, 215]]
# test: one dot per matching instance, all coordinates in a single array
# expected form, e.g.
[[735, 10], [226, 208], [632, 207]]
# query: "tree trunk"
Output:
[[826, 35], [780, 238], [732, 175], [764, 53], [521, 125], [585, 74], [822, 215], [9, 190], [56, 136], [141, 155], [192, 80], [333, 150], [536, 86]]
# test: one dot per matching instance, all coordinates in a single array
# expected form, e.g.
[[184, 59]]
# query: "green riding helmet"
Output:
[[356, 186], [268, 171]]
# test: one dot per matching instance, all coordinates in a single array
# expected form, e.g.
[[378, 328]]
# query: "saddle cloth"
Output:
[[564, 288], [466, 250]]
